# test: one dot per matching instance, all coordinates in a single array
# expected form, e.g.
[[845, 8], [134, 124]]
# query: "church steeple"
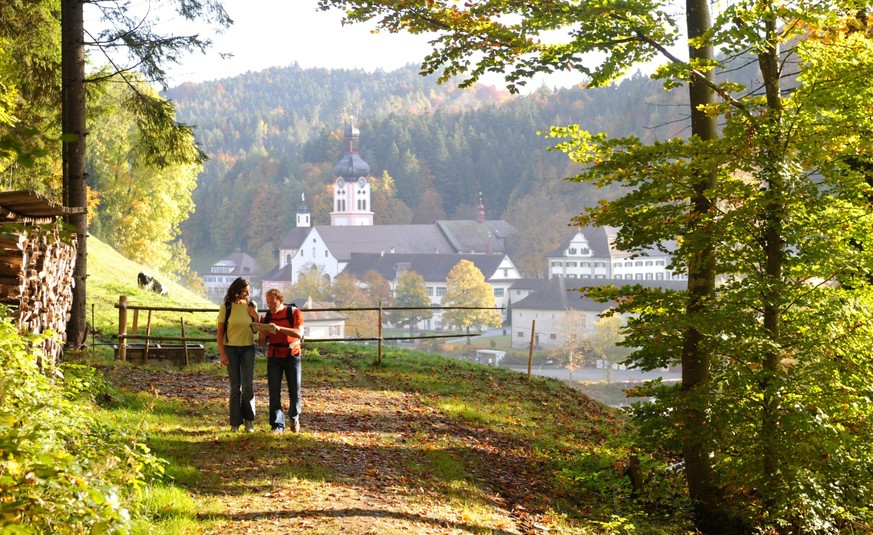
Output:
[[351, 166], [351, 189], [480, 216], [303, 220]]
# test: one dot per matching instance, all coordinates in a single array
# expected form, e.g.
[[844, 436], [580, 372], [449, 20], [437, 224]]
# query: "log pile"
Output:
[[36, 278]]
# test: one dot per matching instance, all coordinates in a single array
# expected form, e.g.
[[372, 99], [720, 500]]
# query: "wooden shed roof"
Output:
[[31, 207]]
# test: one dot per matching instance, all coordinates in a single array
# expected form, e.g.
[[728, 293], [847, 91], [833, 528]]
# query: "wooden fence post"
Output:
[[145, 351], [184, 341], [134, 329], [533, 333], [379, 331], [122, 328]]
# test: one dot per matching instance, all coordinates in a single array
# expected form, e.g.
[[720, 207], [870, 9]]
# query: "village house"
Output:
[[225, 270], [499, 272], [590, 253], [548, 308], [319, 323]]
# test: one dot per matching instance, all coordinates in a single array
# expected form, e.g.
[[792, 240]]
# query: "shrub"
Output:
[[62, 470]]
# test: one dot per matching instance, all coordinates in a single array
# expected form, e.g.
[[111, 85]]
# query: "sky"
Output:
[[278, 33]]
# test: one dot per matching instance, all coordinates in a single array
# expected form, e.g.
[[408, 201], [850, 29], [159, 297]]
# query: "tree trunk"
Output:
[[774, 253], [74, 174], [702, 486]]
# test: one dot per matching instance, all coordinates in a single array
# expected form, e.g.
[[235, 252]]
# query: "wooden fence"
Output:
[[124, 308]]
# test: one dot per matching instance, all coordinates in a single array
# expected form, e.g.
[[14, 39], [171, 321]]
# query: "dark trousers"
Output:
[[289, 367], [241, 371]]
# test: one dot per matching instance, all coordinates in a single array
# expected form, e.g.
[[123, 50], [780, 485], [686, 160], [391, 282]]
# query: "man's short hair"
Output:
[[277, 293]]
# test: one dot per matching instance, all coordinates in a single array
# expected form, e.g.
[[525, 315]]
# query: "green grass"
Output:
[[111, 276], [170, 507]]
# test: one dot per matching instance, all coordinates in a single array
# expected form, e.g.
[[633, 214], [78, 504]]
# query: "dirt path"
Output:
[[367, 461]]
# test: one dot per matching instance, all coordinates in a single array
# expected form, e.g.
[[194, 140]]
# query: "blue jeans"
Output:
[[289, 367], [241, 371]]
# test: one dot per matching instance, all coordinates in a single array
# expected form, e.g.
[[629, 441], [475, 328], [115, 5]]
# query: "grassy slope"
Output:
[[110, 275]]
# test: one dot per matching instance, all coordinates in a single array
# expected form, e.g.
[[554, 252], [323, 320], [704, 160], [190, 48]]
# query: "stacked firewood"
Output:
[[36, 278]]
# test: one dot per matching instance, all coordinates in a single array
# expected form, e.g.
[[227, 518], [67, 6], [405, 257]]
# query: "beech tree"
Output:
[[377, 288], [410, 291], [777, 204], [572, 341], [429, 208], [347, 292], [388, 209], [792, 223], [139, 207], [466, 287], [312, 283], [270, 210], [606, 342], [539, 231]]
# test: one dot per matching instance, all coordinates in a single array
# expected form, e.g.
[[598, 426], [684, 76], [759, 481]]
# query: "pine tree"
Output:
[[164, 142]]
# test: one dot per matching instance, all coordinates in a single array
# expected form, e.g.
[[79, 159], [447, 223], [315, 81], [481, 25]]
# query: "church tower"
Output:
[[351, 190], [480, 210], [303, 219]]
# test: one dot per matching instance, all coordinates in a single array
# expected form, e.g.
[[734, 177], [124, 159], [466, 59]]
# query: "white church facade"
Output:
[[329, 248]]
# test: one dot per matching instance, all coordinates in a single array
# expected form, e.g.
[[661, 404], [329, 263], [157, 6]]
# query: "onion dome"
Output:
[[351, 166], [303, 208]]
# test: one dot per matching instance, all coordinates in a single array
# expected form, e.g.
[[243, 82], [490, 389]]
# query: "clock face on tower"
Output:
[[361, 182], [341, 182]]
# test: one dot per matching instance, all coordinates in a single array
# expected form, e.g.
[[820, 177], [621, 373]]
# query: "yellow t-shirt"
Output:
[[239, 326]]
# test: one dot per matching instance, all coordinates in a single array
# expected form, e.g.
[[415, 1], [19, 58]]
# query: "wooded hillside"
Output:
[[276, 134]]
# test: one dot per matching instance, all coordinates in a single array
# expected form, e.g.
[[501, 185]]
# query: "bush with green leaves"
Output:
[[822, 479], [84, 383], [62, 470]]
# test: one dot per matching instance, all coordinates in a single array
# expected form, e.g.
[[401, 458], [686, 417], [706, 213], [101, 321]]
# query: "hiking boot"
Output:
[[234, 429], [250, 426]]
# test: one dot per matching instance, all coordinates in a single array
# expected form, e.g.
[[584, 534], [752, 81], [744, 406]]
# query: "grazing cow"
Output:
[[157, 287], [147, 282], [144, 280]]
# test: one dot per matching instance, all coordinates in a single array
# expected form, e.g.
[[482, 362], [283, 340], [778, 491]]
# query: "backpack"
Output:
[[292, 319]]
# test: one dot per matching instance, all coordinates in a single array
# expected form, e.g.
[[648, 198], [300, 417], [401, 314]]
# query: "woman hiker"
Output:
[[236, 349]]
